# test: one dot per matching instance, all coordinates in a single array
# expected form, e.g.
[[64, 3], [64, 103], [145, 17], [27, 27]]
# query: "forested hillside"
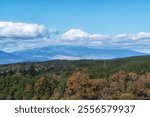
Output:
[[126, 78]]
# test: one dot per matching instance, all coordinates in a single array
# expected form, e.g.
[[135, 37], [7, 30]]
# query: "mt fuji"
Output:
[[75, 33], [74, 48]]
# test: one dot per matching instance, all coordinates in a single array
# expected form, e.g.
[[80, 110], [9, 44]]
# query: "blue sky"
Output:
[[93, 16], [121, 24]]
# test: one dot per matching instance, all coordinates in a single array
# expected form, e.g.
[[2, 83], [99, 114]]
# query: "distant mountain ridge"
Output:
[[65, 52], [6, 58], [76, 52]]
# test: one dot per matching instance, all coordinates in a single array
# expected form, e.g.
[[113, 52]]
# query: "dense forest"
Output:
[[124, 78]]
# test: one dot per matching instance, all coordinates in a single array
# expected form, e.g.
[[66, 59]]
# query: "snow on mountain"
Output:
[[75, 33], [80, 37]]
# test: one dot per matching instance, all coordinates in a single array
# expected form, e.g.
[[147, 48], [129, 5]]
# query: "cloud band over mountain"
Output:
[[20, 36]]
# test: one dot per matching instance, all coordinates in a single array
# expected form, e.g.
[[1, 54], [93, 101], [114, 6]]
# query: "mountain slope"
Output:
[[140, 65], [74, 53], [6, 58]]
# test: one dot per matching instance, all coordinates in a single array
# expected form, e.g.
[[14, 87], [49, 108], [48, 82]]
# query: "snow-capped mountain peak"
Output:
[[75, 33]]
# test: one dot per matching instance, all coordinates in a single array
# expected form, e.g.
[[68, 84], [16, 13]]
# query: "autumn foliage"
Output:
[[122, 79]]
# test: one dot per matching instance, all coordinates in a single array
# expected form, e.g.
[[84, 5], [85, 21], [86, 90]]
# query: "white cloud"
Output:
[[136, 36], [24, 30], [21, 30], [141, 35], [138, 41], [20, 36], [11, 45], [121, 36], [100, 36]]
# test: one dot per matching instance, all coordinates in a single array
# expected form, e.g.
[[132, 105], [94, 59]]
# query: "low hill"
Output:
[[139, 64]]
